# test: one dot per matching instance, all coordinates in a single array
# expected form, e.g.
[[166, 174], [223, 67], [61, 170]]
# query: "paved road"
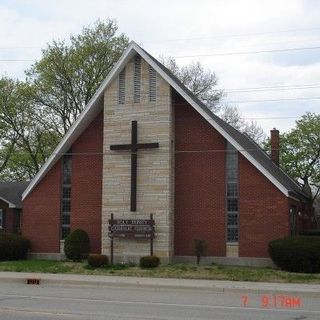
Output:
[[32, 302]]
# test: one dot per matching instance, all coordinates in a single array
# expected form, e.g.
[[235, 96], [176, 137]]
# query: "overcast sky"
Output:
[[215, 32]]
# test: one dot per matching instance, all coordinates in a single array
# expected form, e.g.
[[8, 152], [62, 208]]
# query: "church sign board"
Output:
[[131, 229]]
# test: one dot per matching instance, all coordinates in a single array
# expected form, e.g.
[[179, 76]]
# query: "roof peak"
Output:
[[237, 139]]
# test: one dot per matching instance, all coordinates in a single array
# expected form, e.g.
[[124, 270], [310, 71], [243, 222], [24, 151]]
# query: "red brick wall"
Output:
[[86, 199], [41, 208], [41, 213], [199, 182], [263, 214]]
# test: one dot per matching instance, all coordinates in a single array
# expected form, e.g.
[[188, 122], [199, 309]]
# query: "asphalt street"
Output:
[[35, 302]]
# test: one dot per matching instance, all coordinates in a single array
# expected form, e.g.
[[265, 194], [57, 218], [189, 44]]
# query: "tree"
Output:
[[202, 83], [300, 153], [199, 81], [233, 116], [25, 142], [36, 113], [69, 73]]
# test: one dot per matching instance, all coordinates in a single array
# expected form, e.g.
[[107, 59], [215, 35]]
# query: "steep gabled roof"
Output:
[[11, 192], [250, 150]]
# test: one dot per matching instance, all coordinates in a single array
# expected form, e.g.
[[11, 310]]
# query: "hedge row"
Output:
[[296, 254], [13, 246]]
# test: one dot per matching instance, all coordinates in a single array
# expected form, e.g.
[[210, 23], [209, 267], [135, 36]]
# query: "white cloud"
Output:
[[210, 25]]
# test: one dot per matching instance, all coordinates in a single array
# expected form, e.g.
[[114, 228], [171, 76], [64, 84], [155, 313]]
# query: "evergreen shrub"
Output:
[[13, 246], [149, 262], [296, 254], [98, 260], [77, 245], [312, 232]]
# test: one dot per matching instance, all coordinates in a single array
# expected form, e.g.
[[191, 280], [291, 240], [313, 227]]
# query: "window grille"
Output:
[[152, 84], [66, 196], [232, 234], [122, 87], [232, 193], [137, 79]]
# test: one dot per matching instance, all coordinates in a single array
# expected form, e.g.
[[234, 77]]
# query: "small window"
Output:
[[1, 219], [152, 84], [122, 86], [137, 79]]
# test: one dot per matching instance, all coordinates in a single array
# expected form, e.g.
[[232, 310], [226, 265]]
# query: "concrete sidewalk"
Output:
[[158, 283]]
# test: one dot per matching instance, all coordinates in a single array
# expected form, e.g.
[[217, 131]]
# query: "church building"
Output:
[[147, 166]]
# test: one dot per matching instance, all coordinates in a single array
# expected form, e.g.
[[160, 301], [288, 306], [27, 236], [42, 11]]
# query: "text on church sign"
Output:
[[131, 228]]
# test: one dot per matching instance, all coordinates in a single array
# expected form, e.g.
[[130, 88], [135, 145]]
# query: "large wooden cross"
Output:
[[134, 147]]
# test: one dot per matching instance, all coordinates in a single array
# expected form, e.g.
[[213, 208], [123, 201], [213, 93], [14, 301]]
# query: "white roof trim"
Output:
[[11, 205], [78, 126]]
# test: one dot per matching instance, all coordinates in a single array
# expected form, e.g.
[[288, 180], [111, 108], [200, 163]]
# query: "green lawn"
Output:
[[186, 271]]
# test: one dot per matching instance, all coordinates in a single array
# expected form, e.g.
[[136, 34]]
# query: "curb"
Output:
[[217, 286]]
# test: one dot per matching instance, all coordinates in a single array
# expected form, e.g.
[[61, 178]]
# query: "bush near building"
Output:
[[312, 232], [98, 260], [13, 246], [149, 262], [77, 245], [296, 254]]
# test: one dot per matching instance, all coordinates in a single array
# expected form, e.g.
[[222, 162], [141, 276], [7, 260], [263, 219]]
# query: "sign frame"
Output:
[[130, 229]]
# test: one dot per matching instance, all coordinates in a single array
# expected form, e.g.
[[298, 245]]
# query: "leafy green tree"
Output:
[[35, 114], [69, 72], [300, 153], [25, 141]]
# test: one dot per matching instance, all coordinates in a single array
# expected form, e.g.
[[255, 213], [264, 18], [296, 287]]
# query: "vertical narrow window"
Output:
[[66, 196], [122, 87], [152, 84], [232, 208], [137, 79], [293, 220], [1, 219]]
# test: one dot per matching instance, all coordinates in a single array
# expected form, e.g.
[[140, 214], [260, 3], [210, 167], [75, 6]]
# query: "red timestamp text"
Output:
[[274, 301]]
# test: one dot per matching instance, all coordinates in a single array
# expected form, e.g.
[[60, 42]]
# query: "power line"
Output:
[[247, 52], [235, 35], [271, 118], [262, 89], [274, 100], [20, 47], [210, 54], [277, 86], [16, 60]]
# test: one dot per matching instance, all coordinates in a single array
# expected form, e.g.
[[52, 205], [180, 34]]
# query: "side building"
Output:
[[11, 206]]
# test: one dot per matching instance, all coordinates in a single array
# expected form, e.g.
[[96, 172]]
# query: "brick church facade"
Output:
[[202, 180]]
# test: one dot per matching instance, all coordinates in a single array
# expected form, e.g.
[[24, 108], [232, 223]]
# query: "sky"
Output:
[[259, 50]]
